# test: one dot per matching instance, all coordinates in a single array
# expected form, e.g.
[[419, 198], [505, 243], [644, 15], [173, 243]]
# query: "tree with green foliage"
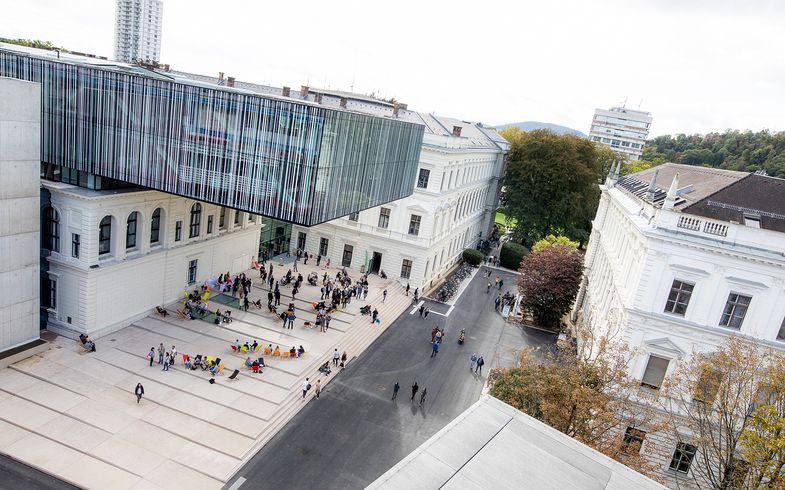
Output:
[[472, 256], [550, 186], [553, 240], [731, 150], [608, 158], [33, 43], [549, 281], [511, 255]]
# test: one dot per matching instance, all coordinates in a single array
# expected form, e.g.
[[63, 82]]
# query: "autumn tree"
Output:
[[710, 398], [549, 281], [583, 396], [553, 240], [550, 185]]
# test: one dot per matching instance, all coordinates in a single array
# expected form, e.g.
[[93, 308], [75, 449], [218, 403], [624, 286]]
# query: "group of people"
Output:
[[492, 260], [415, 389], [477, 362], [503, 300], [88, 344], [166, 357], [323, 316]]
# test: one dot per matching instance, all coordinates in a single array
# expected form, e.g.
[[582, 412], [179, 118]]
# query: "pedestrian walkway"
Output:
[[74, 414]]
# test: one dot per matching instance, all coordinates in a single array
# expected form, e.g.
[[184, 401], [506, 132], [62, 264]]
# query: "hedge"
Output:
[[511, 255], [473, 257]]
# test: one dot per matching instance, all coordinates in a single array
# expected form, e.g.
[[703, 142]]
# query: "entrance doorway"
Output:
[[376, 263]]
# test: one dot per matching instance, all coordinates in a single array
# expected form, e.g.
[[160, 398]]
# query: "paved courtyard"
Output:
[[73, 414]]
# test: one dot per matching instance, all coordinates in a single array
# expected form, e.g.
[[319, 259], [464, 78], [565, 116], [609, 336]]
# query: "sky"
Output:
[[697, 65]]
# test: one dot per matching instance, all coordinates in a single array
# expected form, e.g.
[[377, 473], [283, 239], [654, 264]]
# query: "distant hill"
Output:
[[532, 125]]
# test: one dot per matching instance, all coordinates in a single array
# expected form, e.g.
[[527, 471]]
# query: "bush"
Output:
[[511, 255], [472, 257]]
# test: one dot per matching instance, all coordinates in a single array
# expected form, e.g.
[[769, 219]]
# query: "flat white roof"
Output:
[[493, 445]]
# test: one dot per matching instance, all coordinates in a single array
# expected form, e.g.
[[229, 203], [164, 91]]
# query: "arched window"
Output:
[[105, 236], [51, 229], [130, 231], [196, 219], [155, 226]]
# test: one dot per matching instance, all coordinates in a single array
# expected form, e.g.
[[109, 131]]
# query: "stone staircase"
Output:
[[360, 335]]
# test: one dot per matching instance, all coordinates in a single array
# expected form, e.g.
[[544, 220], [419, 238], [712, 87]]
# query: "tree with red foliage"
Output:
[[549, 282]]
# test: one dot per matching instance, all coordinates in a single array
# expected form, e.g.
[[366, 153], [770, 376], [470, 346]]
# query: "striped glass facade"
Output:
[[279, 158]]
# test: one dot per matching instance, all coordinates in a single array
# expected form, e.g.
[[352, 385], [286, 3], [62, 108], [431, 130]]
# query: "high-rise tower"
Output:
[[137, 31]]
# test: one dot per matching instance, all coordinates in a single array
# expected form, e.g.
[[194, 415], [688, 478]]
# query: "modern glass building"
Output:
[[278, 157]]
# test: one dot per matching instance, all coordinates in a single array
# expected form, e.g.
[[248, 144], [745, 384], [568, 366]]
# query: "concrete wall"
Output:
[[20, 131]]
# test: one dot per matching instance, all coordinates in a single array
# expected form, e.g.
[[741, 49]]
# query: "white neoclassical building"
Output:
[[417, 239], [115, 254], [681, 257]]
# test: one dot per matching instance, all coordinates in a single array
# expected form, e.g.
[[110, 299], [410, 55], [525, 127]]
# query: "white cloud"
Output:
[[698, 66]]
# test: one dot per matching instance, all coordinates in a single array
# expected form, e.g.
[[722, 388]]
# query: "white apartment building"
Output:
[[679, 258], [20, 157], [624, 130], [137, 30], [115, 254], [418, 238]]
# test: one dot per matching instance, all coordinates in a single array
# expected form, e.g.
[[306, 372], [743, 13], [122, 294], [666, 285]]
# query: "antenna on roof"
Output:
[[640, 104]]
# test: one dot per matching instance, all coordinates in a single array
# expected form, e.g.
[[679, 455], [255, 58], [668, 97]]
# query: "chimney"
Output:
[[220, 77], [403, 106], [318, 98], [230, 82], [456, 131], [343, 102], [396, 108], [303, 91], [285, 91]]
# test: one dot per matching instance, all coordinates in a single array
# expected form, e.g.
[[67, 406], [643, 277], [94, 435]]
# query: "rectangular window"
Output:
[[75, 245], [633, 440], [323, 242], [422, 179], [384, 217], [414, 225], [192, 271], [222, 219], [209, 224], [682, 457], [130, 233], [735, 309], [708, 386], [347, 255], [406, 269], [354, 216], [178, 231], [655, 372], [679, 297], [49, 293], [301, 240]]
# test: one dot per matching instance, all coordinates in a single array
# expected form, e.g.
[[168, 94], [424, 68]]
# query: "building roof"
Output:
[[695, 183], [493, 445], [754, 196]]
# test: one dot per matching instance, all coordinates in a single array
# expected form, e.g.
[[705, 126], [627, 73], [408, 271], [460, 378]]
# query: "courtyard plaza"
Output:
[[73, 413]]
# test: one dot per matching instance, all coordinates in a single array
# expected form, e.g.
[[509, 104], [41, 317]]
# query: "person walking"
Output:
[[473, 363], [318, 260], [434, 349], [139, 392], [407, 289], [497, 302], [161, 353], [480, 363], [374, 315], [336, 357], [396, 387], [151, 355], [166, 362], [501, 283], [173, 356], [422, 396], [306, 387], [425, 313], [384, 295], [414, 389], [318, 387], [421, 309], [343, 360], [245, 303]]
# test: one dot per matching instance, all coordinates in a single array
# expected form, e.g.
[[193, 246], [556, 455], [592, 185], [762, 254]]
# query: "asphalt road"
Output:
[[355, 432], [15, 475]]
